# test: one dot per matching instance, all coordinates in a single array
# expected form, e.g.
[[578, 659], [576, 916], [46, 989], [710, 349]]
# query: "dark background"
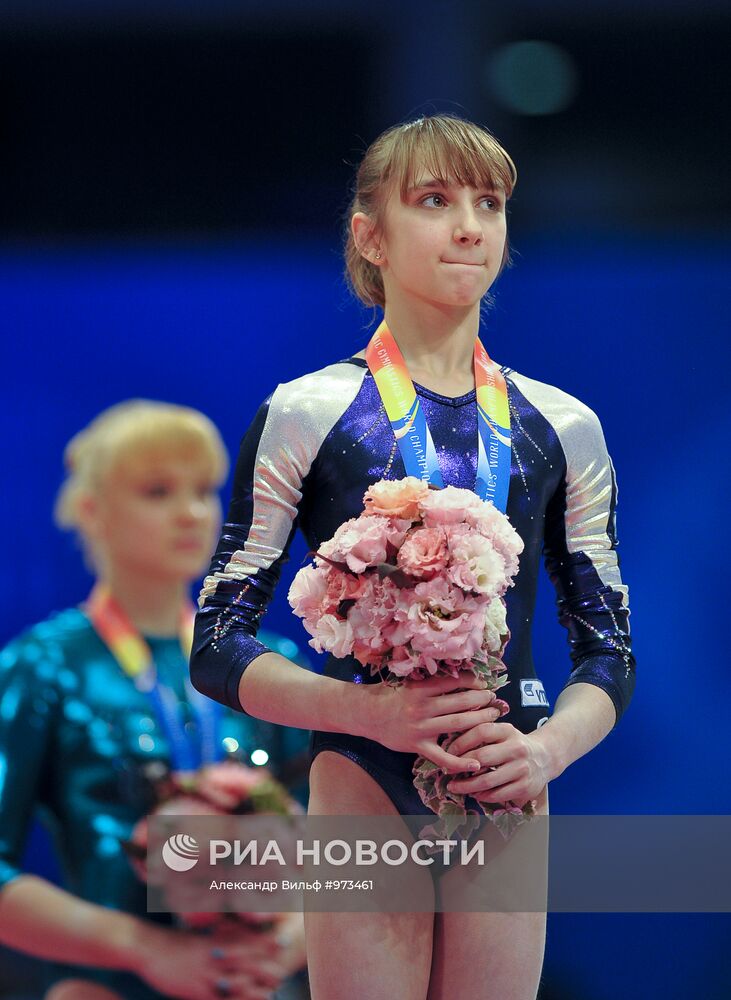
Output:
[[173, 178]]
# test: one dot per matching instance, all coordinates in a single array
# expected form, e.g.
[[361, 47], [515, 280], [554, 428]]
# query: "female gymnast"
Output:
[[427, 238], [79, 734]]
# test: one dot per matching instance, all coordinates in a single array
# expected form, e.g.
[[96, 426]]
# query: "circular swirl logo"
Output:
[[180, 852]]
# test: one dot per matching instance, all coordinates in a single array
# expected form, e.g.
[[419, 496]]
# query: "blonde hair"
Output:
[[125, 433], [451, 149]]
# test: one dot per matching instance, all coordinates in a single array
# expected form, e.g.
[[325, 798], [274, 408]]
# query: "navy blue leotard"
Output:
[[314, 447]]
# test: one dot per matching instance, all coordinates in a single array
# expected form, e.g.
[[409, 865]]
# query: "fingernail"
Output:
[[474, 765]]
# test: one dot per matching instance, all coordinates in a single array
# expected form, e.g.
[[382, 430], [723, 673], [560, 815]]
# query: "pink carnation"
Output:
[[439, 620], [343, 586], [424, 552], [371, 616]]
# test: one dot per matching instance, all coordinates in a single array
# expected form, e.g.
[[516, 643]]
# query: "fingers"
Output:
[[255, 984], [461, 702], [490, 787], [447, 761], [486, 732], [442, 684], [460, 722], [245, 985], [250, 962], [242, 987]]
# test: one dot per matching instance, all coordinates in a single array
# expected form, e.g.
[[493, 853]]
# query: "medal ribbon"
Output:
[[411, 430], [135, 658]]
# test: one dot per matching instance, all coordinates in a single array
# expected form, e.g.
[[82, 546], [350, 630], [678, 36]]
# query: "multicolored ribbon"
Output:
[[135, 658], [411, 430]]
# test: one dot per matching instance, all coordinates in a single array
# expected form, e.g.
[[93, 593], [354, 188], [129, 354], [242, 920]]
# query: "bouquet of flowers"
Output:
[[226, 789], [414, 587]]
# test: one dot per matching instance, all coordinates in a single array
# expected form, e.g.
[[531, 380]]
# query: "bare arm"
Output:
[[583, 716], [50, 923], [42, 920], [409, 718], [276, 690]]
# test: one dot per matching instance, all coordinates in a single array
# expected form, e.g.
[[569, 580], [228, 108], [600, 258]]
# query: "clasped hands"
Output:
[[506, 764], [513, 765]]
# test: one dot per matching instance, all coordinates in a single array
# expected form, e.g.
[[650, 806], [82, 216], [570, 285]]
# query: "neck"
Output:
[[152, 606], [437, 342]]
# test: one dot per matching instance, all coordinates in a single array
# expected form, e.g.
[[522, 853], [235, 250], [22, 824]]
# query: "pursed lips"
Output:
[[466, 263]]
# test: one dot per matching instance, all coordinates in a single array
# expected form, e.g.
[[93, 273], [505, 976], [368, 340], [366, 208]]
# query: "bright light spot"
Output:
[[259, 757], [532, 78], [230, 745]]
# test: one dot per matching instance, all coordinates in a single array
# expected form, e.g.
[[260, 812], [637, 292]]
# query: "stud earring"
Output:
[[378, 255]]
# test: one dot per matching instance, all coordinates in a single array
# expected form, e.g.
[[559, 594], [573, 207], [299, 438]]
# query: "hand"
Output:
[[411, 717], [196, 967], [288, 935], [514, 767]]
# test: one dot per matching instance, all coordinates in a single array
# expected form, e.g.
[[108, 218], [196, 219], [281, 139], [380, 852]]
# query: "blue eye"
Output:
[[433, 198]]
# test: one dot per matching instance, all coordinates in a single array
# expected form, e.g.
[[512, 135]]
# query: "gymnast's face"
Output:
[[443, 243], [157, 516]]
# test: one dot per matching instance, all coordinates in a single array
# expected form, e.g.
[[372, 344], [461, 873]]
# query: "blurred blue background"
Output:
[[173, 181]]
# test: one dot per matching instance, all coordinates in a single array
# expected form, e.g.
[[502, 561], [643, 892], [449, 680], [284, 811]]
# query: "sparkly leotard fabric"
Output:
[[76, 741], [312, 450]]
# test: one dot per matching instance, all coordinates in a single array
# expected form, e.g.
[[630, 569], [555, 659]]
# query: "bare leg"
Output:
[[371, 956], [80, 989], [489, 956]]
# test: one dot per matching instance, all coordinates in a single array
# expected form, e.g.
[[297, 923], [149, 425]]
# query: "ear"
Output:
[[365, 237], [89, 516]]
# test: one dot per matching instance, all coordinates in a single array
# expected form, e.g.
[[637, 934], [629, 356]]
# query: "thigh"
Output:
[[489, 956], [371, 956]]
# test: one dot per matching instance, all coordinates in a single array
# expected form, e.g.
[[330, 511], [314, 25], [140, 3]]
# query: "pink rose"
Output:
[[396, 498], [424, 553], [364, 541], [308, 594]]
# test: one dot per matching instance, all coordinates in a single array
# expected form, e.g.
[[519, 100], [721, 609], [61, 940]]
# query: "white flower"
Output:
[[476, 565], [496, 625]]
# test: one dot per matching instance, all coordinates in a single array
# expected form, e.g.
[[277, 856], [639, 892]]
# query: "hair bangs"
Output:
[[153, 439], [452, 152]]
